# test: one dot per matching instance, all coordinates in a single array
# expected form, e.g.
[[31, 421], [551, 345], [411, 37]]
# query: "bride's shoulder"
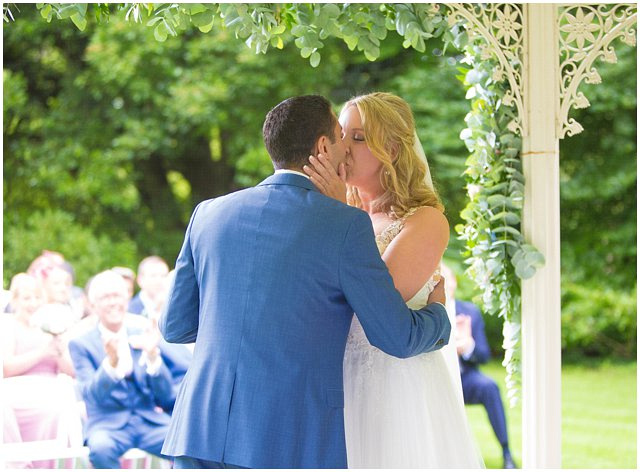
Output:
[[427, 219]]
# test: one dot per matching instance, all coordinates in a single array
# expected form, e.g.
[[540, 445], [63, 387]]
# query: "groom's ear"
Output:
[[322, 145]]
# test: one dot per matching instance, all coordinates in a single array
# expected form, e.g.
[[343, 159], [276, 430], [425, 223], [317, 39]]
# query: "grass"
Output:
[[598, 417]]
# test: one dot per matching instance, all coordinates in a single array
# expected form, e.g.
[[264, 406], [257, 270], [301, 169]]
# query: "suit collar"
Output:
[[289, 179]]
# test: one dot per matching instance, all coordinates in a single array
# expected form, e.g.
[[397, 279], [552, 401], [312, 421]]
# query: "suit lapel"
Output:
[[96, 347]]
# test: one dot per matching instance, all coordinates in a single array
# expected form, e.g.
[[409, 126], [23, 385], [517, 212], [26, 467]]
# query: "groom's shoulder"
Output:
[[224, 199]]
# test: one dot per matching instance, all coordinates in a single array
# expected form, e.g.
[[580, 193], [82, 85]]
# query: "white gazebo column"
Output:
[[541, 355]]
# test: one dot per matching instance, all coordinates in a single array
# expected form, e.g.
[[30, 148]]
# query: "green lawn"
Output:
[[598, 418]]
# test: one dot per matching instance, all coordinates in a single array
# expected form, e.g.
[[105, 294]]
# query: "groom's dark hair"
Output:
[[292, 127]]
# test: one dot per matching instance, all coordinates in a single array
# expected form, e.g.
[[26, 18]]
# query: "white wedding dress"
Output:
[[404, 413]]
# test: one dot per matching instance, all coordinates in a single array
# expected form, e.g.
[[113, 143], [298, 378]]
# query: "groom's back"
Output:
[[273, 322], [271, 254]]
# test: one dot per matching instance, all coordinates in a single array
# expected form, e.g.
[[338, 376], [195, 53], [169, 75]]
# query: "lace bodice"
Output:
[[357, 340]]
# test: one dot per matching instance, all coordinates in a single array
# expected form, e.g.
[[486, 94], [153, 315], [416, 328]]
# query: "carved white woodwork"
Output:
[[545, 51], [585, 34], [501, 25]]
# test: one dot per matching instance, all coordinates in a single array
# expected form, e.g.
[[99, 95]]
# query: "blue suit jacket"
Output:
[[266, 284], [481, 352], [110, 404]]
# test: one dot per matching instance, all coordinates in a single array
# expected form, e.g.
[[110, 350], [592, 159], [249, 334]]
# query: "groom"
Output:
[[266, 284]]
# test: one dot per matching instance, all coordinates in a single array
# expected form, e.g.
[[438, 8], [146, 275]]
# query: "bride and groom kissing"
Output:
[[267, 283]]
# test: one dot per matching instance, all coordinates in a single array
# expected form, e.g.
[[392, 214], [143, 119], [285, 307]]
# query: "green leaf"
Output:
[[281, 28], [299, 30], [535, 259], [195, 8], [160, 32], [203, 18], [351, 41], [509, 217], [66, 12], [506, 229], [82, 8], [525, 271], [154, 20], [315, 59], [45, 12], [207, 28], [496, 200], [79, 20]]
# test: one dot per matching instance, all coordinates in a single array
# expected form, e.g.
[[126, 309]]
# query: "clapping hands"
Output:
[[464, 338], [148, 340]]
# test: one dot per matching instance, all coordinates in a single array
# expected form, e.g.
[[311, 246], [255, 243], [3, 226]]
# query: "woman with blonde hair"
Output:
[[37, 370], [399, 413]]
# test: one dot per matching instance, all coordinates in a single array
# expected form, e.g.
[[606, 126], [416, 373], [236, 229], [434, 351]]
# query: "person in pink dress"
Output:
[[43, 402]]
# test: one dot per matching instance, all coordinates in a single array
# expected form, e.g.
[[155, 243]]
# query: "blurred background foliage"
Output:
[[111, 138]]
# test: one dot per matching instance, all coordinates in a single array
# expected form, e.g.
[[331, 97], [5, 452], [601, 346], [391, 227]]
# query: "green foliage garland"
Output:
[[496, 252]]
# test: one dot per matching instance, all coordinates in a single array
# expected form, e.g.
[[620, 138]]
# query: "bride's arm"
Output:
[[415, 253]]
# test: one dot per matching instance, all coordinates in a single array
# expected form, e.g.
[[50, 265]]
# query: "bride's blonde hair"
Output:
[[389, 129]]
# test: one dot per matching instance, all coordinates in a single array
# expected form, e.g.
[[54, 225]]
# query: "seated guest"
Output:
[[177, 357], [42, 401], [152, 279], [473, 350], [129, 277], [123, 378], [57, 276]]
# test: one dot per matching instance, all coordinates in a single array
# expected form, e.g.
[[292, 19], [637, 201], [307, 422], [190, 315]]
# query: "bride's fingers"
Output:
[[324, 176], [316, 179], [342, 172], [313, 174], [324, 167]]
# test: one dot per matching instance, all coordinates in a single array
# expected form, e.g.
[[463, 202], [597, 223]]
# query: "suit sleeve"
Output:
[[481, 353], [162, 387], [179, 321], [387, 321]]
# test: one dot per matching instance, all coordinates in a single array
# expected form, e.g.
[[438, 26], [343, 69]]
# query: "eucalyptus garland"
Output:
[[496, 252]]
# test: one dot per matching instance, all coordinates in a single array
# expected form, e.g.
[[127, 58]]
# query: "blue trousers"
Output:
[[186, 462], [477, 388], [107, 446]]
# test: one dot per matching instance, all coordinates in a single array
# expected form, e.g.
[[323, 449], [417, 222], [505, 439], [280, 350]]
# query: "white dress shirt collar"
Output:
[[290, 171]]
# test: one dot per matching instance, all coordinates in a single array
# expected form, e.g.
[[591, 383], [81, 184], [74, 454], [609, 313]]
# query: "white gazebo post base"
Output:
[[541, 346]]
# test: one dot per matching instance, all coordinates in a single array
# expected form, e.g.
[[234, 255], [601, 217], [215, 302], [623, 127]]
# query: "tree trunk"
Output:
[[155, 193], [208, 178]]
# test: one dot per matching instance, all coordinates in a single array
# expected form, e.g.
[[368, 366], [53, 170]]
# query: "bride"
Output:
[[399, 413]]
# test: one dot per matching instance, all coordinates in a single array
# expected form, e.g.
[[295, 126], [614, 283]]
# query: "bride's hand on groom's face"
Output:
[[324, 176]]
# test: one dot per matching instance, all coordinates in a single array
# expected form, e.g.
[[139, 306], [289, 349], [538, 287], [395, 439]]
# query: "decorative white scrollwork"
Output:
[[585, 33], [501, 25]]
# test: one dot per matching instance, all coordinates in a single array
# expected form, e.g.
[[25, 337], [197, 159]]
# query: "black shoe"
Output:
[[508, 463]]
